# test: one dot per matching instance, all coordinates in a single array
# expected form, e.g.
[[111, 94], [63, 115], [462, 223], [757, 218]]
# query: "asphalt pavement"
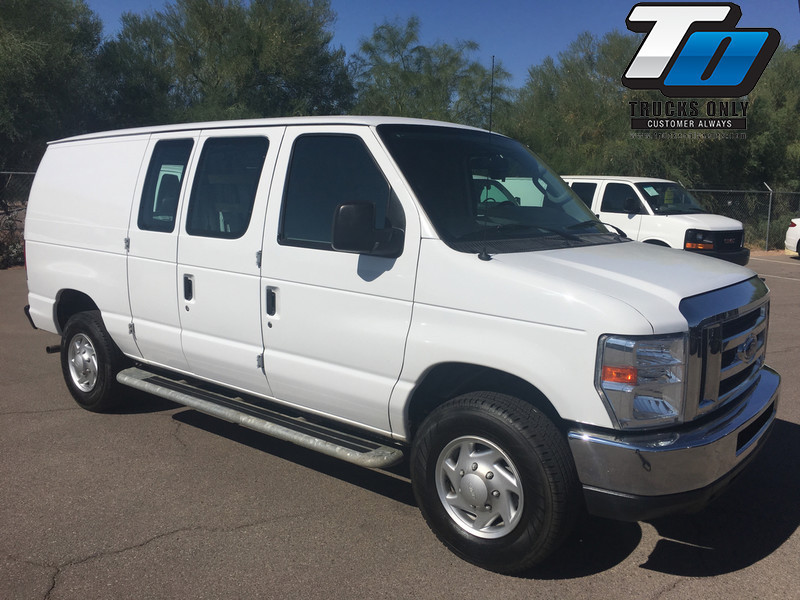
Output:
[[159, 501]]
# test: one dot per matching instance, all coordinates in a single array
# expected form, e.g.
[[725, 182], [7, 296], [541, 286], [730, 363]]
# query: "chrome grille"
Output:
[[733, 356], [728, 342]]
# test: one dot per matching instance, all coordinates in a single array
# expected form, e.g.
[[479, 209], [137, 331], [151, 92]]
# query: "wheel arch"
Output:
[[448, 380], [68, 303], [657, 243]]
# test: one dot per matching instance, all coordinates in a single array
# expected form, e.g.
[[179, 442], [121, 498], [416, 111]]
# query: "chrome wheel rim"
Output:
[[82, 360], [479, 487]]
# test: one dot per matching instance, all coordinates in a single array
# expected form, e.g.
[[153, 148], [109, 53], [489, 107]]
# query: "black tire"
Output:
[[489, 447], [90, 361]]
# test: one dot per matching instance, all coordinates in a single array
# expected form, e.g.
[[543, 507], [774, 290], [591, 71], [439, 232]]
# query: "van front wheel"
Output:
[[495, 481], [90, 361]]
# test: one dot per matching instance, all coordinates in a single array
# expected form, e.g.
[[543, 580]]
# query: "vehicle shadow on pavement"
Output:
[[392, 483], [597, 545], [752, 519], [135, 402], [747, 524]]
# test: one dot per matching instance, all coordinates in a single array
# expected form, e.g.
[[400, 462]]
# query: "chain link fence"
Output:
[[764, 214], [14, 190]]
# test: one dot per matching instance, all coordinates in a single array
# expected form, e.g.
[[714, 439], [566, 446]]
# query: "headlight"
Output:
[[642, 379], [697, 239]]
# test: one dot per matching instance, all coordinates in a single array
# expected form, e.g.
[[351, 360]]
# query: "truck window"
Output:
[[326, 171], [617, 199], [585, 191], [669, 198], [225, 186], [526, 191], [162, 185]]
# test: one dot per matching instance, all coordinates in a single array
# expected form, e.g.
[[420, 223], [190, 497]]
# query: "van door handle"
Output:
[[271, 301], [188, 287]]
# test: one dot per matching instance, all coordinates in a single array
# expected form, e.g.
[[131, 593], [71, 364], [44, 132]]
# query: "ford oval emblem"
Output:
[[747, 350]]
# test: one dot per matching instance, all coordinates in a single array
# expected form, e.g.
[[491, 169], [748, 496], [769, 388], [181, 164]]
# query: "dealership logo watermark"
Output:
[[695, 50], [689, 114]]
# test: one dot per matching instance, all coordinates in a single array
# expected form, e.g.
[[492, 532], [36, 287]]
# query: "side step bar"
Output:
[[345, 446]]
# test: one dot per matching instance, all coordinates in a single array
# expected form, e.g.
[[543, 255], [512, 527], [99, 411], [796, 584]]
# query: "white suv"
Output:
[[661, 212]]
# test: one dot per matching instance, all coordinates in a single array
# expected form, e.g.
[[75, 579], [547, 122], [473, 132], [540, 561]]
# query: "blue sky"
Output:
[[519, 33]]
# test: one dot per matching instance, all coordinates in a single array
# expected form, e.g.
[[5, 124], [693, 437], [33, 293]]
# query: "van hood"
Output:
[[627, 287], [651, 279], [705, 221]]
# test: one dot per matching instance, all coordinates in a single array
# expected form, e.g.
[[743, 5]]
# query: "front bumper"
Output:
[[636, 476], [738, 257]]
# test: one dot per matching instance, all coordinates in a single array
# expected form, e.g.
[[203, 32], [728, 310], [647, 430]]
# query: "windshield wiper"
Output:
[[619, 233], [583, 224], [509, 228], [519, 226], [676, 210]]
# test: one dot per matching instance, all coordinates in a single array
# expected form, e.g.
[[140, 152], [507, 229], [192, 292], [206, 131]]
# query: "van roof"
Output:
[[625, 178], [370, 121]]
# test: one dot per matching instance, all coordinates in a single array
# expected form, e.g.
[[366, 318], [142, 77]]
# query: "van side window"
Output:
[[162, 185], [617, 199], [326, 171], [585, 191], [225, 186]]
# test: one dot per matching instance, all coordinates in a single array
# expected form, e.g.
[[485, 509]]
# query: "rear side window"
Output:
[[225, 186], [584, 191], [162, 185], [326, 171]]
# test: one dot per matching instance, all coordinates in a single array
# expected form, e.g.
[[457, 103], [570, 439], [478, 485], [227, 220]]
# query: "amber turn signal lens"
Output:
[[627, 375]]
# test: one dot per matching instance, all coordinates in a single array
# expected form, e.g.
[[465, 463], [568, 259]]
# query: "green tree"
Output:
[[47, 53], [136, 75], [773, 139], [225, 59], [266, 58], [396, 75], [575, 111]]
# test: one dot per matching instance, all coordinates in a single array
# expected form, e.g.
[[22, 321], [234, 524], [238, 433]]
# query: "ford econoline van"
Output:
[[363, 287]]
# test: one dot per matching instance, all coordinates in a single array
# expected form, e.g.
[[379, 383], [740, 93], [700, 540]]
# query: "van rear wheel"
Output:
[[90, 361], [495, 481]]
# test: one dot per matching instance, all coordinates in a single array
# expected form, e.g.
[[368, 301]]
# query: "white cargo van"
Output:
[[661, 212], [357, 286]]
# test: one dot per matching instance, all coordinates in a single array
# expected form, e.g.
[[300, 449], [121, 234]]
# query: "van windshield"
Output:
[[669, 198], [484, 192]]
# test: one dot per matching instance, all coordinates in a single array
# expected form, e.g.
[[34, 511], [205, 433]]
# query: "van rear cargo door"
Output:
[[153, 248]]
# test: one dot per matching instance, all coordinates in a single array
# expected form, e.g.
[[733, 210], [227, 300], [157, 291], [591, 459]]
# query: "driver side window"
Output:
[[326, 171], [620, 198]]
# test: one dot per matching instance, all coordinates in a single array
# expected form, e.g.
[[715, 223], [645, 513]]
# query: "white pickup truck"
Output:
[[358, 286], [661, 212]]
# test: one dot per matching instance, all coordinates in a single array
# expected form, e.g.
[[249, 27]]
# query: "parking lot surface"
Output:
[[159, 501]]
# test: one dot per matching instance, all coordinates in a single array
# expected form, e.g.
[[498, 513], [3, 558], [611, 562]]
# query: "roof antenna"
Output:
[[491, 96]]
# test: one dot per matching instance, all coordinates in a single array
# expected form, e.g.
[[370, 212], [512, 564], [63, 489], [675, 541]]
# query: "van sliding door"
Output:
[[218, 291]]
